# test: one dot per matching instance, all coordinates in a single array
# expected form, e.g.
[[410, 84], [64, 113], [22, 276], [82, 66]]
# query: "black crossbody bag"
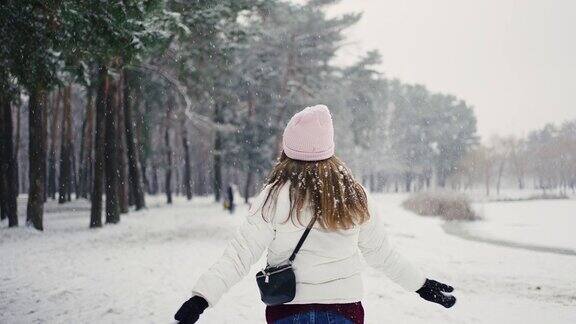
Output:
[[278, 284]]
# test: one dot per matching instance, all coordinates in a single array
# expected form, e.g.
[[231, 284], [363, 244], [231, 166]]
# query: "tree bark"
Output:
[[99, 139], [187, 167], [52, 149], [80, 181], [168, 182], [217, 154], [65, 149], [8, 171], [87, 160], [17, 146], [3, 172], [487, 178], [499, 176], [84, 148], [121, 150], [408, 177], [111, 160], [73, 172], [248, 185], [134, 177], [154, 185], [37, 158]]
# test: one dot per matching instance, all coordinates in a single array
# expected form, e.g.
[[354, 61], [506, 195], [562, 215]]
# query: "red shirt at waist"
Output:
[[352, 311]]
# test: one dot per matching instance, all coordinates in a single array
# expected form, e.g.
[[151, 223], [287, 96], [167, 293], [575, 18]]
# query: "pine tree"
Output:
[[134, 175], [99, 140], [65, 181], [8, 172]]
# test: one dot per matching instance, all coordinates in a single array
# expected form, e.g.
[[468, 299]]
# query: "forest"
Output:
[[124, 99]]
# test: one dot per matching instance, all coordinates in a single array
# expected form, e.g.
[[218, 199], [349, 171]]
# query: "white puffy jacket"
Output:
[[328, 265]]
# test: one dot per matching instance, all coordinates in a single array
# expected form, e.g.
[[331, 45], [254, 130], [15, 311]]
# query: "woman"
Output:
[[310, 186]]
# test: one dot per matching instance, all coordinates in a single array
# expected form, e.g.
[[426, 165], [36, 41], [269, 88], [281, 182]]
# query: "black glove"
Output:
[[433, 291], [190, 311]]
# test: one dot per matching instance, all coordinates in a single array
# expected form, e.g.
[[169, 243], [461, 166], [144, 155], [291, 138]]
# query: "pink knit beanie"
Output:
[[309, 135]]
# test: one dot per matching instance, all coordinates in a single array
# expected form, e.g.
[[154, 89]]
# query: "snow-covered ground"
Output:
[[140, 270]]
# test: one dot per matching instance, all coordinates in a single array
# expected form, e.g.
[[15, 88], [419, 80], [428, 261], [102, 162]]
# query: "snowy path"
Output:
[[142, 269]]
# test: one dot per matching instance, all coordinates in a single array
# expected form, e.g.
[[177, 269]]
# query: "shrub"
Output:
[[450, 206]]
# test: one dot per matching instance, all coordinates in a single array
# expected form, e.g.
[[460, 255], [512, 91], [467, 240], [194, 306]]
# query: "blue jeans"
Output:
[[315, 317]]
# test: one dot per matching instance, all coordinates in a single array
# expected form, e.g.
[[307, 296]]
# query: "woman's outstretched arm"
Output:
[[248, 244], [245, 249], [380, 254]]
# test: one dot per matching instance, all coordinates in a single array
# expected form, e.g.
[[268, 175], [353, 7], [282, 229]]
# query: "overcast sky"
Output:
[[513, 60]]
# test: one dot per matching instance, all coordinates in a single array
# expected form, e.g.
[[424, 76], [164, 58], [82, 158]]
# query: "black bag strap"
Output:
[[302, 239]]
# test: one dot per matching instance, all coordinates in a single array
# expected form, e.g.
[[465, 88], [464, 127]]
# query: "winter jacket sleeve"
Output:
[[380, 254], [246, 247]]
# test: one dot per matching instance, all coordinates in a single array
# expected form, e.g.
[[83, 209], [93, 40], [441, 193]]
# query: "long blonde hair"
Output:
[[327, 187]]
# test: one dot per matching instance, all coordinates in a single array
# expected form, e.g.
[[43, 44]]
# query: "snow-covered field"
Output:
[[140, 270], [549, 223]]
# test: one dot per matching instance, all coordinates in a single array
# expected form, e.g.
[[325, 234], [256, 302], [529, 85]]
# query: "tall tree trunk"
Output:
[[143, 141], [80, 188], [99, 140], [217, 166], [80, 180], [111, 163], [17, 146], [143, 167], [45, 123], [52, 149], [168, 149], [65, 145], [499, 176], [254, 138], [248, 185], [187, 167], [3, 172], [177, 181], [121, 151], [154, 186], [73, 174], [37, 157], [87, 140], [408, 177], [134, 180], [217, 153], [487, 178], [8, 171], [144, 175]]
